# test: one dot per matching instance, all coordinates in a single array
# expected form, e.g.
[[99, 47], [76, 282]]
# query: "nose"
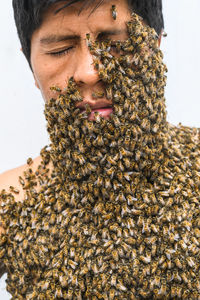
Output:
[[85, 73]]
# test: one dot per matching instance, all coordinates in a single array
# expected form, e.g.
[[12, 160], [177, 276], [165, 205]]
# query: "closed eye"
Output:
[[61, 52]]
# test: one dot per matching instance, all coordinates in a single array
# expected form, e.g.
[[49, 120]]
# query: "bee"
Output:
[[2, 252], [145, 259], [195, 241], [198, 285], [112, 294], [55, 88], [88, 41], [99, 141], [110, 172], [14, 190], [108, 184], [114, 12], [97, 95], [21, 181], [45, 285], [127, 162], [99, 182], [146, 229], [72, 252], [113, 144], [197, 232], [131, 200], [121, 287], [97, 117], [72, 264], [117, 96], [52, 219], [74, 280], [190, 261], [109, 93], [192, 248], [19, 237], [169, 202], [58, 292], [124, 153], [32, 295], [118, 109], [187, 225], [164, 34]]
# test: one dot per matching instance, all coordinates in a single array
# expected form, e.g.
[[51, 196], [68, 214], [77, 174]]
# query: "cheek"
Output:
[[48, 74]]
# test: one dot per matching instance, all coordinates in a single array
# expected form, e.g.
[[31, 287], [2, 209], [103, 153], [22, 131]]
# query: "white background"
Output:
[[22, 124]]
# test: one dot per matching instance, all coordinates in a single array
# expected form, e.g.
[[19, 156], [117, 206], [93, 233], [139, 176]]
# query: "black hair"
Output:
[[28, 16]]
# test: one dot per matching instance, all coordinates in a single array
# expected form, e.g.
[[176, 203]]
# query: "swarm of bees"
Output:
[[118, 215]]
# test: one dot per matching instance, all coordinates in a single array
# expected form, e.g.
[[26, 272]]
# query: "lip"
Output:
[[104, 112]]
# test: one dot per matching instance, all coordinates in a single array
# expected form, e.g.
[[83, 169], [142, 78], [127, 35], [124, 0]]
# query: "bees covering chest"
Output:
[[139, 243]]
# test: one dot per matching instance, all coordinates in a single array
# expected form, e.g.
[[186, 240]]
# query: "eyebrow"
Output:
[[53, 38]]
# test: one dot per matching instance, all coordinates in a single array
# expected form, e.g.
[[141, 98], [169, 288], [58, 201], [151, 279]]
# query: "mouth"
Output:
[[103, 111]]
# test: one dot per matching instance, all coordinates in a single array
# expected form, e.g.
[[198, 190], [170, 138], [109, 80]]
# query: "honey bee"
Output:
[[146, 229], [88, 41], [190, 261], [197, 232], [192, 248], [58, 292], [114, 12], [115, 255], [32, 295], [99, 141], [14, 190], [55, 88], [109, 93], [98, 95], [195, 241], [164, 34], [145, 259], [97, 117], [21, 181], [2, 252], [72, 264]]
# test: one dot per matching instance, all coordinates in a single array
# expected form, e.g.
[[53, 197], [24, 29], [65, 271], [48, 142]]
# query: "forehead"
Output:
[[85, 11]]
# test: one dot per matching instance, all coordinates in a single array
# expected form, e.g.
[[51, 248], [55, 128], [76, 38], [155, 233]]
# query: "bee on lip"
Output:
[[117, 216]]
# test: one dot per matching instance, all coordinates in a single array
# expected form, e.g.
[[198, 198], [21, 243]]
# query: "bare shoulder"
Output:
[[11, 177]]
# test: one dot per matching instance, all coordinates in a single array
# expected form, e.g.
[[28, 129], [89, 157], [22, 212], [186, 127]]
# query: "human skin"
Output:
[[59, 48]]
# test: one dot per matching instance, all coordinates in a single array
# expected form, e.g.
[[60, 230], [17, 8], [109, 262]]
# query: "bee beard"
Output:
[[130, 145]]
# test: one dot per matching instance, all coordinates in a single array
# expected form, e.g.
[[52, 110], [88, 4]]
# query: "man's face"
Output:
[[59, 47]]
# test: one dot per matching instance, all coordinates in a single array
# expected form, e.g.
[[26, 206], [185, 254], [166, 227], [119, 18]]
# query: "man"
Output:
[[112, 210], [46, 57], [27, 24]]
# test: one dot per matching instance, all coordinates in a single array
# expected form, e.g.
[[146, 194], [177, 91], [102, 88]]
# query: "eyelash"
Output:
[[66, 51], [61, 52]]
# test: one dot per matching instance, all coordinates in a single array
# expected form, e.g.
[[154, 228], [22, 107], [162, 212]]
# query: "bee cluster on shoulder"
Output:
[[118, 216]]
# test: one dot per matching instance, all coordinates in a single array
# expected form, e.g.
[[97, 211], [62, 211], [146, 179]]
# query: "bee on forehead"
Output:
[[88, 40], [114, 12]]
